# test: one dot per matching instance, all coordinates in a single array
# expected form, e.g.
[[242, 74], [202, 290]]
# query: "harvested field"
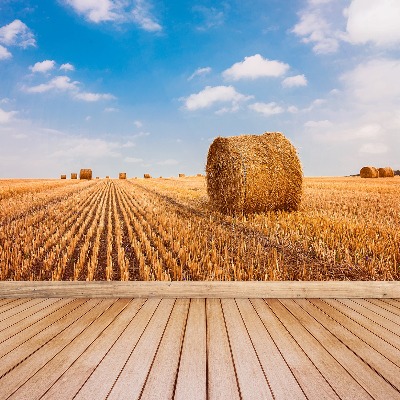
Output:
[[165, 229]]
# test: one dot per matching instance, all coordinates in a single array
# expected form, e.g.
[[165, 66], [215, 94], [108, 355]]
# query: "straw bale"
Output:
[[254, 173], [147, 176], [122, 175], [74, 175], [182, 175], [386, 172], [369, 172], [85, 174], [107, 177], [63, 176]]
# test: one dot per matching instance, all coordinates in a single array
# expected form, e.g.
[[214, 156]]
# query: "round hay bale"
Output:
[[85, 174], [254, 173], [122, 175], [147, 176], [182, 175], [74, 175], [386, 172], [369, 172], [63, 176]]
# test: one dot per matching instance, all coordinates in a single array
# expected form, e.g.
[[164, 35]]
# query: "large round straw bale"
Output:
[[254, 173], [85, 174], [63, 176], [386, 172], [147, 176], [369, 172], [122, 175], [74, 175]]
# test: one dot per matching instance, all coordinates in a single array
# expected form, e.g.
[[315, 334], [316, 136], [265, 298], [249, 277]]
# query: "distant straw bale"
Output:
[[107, 177], [97, 177], [122, 175], [182, 175], [386, 172], [254, 173], [369, 172], [63, 176], [74, 175], [147, 176], [199, 175], [85, 174]]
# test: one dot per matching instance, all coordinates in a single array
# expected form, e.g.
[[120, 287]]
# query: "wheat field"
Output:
[[165, 229]]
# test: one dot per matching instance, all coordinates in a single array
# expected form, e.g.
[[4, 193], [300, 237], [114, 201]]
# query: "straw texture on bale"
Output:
[[147, 176], [107, 177], [369, 172], [182, 175], [85, 174], [63, 176], [122, 175], [386, 172], [254, 173], [74, 175]]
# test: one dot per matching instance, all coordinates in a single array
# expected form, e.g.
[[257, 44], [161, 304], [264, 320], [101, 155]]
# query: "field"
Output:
[[165, 229]]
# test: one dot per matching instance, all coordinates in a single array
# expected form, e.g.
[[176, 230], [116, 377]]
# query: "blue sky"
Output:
[[143, 86]]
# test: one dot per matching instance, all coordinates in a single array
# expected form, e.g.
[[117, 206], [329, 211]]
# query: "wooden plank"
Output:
[[203, 289], [12, 303], [135, 371], [162, 377], [16, 377], [317, 343], [19, 308], [388, 304], [73, 379], [310, 379], [222, 382], [378, 313], [192, 374], [282, 382], [43, 379], [367, 322], [101, 381], [250, 375], [360, 360]]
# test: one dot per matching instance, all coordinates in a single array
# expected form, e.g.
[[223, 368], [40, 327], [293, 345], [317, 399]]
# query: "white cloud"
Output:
[[200, 71], [212, 17], [62, 83], [254, 67], [133, 160], [6, 116], [376, 81], [314, 28], [374, 148], [4, 53], [142, 16], [118, 11], [318, 124], [17, 33], [110, 109], [214, 94], [67, 67], [91, 97], [293, 81], [374, 21], [293, 109], [138, 123], [169, 161], [43, 66], [267, 109]]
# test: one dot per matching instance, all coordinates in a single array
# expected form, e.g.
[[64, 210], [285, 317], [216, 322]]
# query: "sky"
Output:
[[144, 86]]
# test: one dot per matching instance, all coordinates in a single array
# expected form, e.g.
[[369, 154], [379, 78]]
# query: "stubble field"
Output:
[[165, 229]]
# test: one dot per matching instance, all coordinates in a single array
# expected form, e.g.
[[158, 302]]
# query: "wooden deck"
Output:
[[197, 348]]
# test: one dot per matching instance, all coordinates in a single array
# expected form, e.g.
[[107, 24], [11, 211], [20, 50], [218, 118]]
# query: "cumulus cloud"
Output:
[[117, 11], [4, 53], [67, 67], [200, 71], [254, 67], [43, 66], [375, 81], [17, 33], [6, 116], [61, 83], [91, 97], [293, 81], [212, 95], [267, 109], [374, 21]]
